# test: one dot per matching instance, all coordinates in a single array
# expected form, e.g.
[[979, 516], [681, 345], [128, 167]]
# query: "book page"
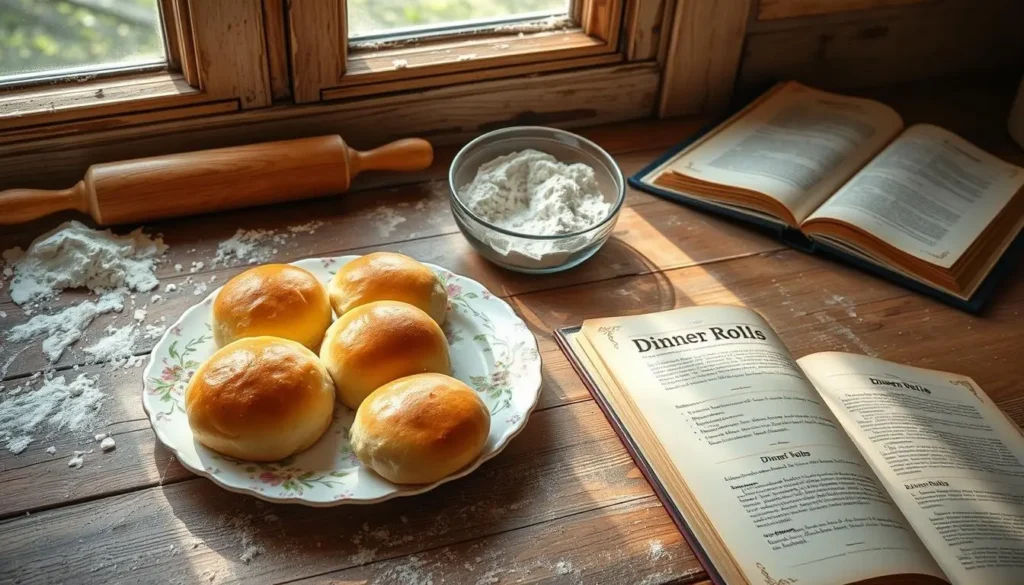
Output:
[[930, 194], [776, 475], [797, 146], [950, 459]]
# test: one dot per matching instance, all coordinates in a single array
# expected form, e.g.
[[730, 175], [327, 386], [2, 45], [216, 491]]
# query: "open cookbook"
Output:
[[843, 176], [832, 469]]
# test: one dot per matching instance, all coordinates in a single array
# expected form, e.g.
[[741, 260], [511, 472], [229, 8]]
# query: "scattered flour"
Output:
[[17, 445], [258, 245], [155, 299], [244, 532], [309, 227], [490, 577], [386, 220], [3, 314], [76, 460], [245, 247], [58, 403], [201, 288], [563, 568], [400, 63], [107, 444], [530, 192], [466, 57], [51, 450], [659, 577], [363, 556], [170, 287], [154, 331], [408, 572], [655, 550], [65, 328], [116, 346], [74, 256], [139, 315], [99, 437]]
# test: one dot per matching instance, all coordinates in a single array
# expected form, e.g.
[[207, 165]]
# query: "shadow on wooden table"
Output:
[[564, 463]]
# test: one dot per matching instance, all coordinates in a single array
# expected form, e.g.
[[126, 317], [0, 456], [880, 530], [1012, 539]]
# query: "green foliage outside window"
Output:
[[44, 35]]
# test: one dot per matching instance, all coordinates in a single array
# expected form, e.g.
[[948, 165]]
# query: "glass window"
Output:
[[41, 39], [382, 18]]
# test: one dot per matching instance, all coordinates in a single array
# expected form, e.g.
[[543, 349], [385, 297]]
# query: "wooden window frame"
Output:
[[324, 67], [216, 63], [619, 81]]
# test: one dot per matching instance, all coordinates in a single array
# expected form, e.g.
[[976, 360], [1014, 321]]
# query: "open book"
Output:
[[831, 469], [920, 202]]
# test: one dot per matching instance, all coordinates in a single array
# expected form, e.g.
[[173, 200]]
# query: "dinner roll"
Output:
[[376, 343], [260, 399], [274, 299], [420, 429], [386, 276]]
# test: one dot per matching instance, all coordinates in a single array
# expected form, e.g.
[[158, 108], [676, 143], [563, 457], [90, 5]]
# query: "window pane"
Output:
[[46, 38], [382, 17]]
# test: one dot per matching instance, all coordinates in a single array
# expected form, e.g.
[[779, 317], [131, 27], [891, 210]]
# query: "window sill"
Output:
[[454, 61], [58, 109]]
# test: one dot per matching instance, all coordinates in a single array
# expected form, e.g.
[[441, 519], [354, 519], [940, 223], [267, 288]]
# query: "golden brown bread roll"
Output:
[[386, 276], [260, 399], [274, 299], [420, 429], [376, 343]]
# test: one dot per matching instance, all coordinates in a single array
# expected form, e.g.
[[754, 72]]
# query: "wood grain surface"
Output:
[[563, 503]]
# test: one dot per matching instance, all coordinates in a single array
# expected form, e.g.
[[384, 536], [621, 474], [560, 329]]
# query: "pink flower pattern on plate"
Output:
[[478, 319]]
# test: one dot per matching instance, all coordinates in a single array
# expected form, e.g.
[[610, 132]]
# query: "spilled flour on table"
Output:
[[245, 535], [247, 247], [385, 220], [62, 329], [564, 568], [75, 256], [77, 460], [309, 227], [408, 572], [116, 347], [258, 246], [659, 577], [58, 404], [71, 256], [655, 550], [108, 444], [846, 333]]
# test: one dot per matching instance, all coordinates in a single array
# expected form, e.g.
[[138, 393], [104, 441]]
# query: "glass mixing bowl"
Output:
[[529, 253]]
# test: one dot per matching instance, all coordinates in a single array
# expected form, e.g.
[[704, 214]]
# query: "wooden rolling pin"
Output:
[[214, 180]]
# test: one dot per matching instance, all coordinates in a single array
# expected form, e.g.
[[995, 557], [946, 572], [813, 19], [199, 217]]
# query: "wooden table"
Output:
[[564, 502]]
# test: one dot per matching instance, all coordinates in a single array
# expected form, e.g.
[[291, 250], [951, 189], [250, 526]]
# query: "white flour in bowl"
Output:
[[531, 192]]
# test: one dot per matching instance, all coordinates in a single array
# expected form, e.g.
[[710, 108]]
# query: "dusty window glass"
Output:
[[42, 39], [382, 18]]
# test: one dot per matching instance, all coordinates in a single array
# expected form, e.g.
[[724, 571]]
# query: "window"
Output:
[[42, 40], [374, 19], [74, 65], [208, 73], [378, 46]]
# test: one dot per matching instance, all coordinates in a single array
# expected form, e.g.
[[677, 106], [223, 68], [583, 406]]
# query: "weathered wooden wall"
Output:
[[881, 42], [831, 44]]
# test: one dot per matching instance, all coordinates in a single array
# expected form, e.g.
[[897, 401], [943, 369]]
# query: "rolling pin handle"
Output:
[[21, 205], [409, 154]]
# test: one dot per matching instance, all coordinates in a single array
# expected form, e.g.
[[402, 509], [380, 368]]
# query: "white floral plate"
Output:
[[491, 349]]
